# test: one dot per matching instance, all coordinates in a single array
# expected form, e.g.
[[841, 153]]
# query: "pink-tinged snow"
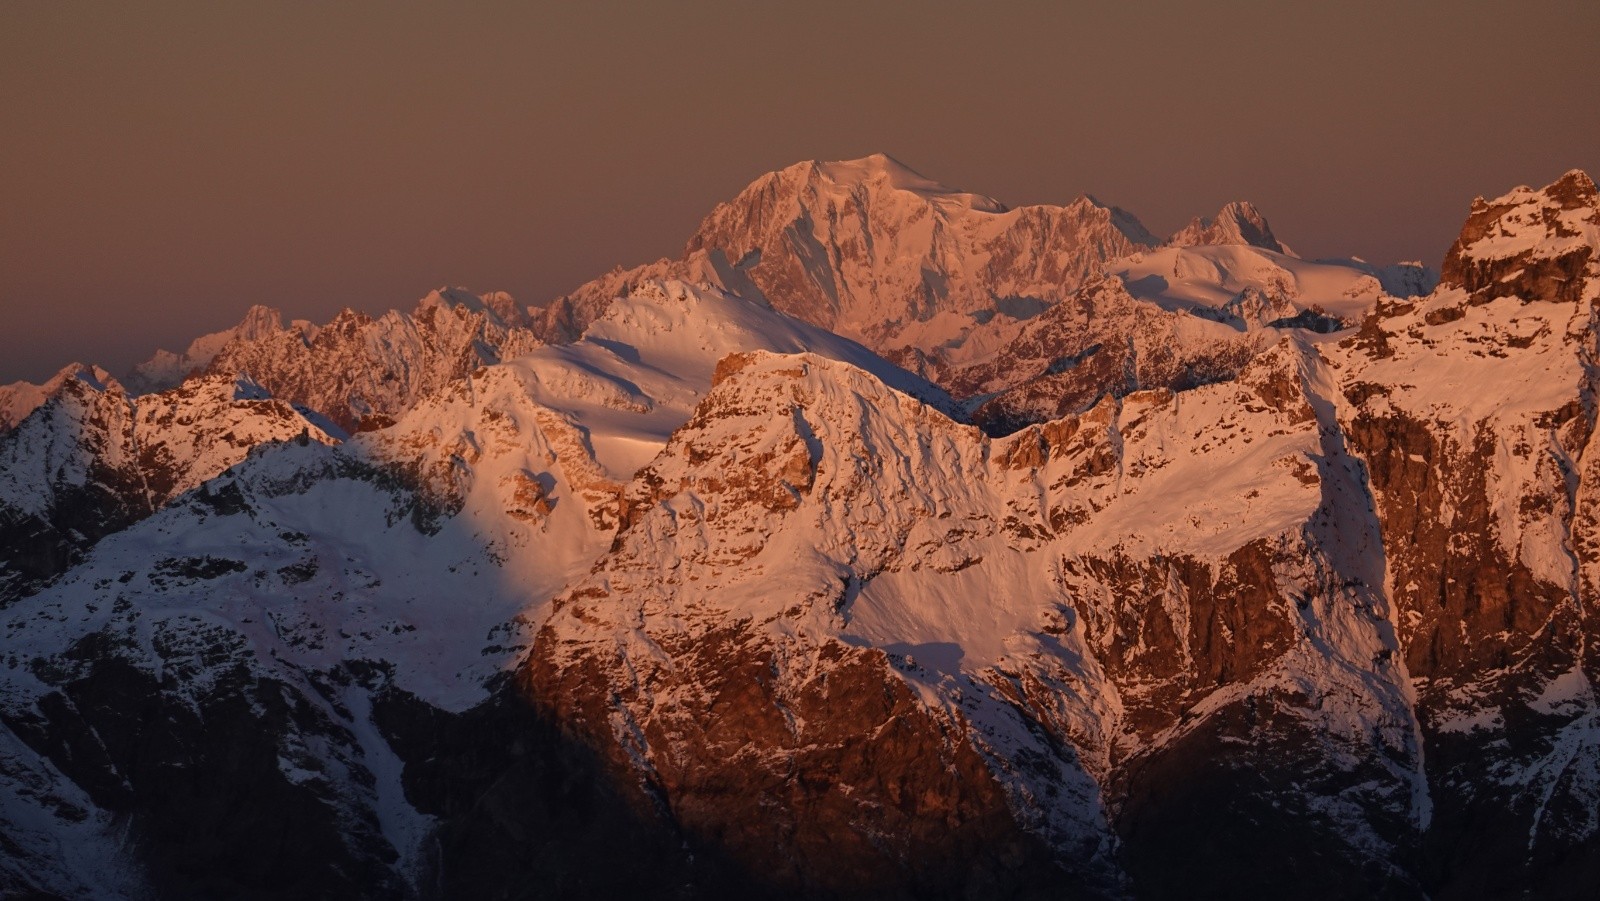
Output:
[[883, 168], [60, 444], [639, 371], [879, 251], [212, 422], [1183, 278]]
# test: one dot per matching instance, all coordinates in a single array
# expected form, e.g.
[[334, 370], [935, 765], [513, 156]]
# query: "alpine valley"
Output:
[[889, 543]]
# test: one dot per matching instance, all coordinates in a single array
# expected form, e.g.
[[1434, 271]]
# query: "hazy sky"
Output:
[[165, 165]]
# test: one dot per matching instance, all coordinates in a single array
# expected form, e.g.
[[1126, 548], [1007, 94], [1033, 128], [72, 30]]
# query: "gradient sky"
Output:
[[165, 165]]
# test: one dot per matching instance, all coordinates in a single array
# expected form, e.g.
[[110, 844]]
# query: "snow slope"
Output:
[[1210, 276], [639, 371]]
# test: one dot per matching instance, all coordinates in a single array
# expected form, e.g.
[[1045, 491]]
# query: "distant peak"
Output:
[[1238, 222], [1242, 211], [258, 321], [875, 162], [497, 304], [871, 164], [93, 376], [450, 297], [1120, 219]]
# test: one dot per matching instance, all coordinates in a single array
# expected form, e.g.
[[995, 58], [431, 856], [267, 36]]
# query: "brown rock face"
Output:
[[1235, 623], [1452, 584], [1484, 638], [844, 785], [1543, 257]]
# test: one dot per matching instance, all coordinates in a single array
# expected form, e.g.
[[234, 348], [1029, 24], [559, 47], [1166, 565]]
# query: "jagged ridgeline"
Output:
[[891, 542]]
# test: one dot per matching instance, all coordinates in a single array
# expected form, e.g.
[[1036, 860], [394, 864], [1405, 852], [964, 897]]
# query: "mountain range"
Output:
[[890, 542]]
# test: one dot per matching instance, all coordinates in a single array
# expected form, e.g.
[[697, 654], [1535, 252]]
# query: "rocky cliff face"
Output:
[[1531, 244]]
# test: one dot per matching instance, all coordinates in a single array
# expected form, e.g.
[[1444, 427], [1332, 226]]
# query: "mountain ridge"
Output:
[[1261, 580]]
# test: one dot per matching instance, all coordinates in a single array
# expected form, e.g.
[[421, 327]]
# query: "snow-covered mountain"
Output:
[[876, 252], [91, 460], [948, 283], [943, 282], [356, 366], [1237, 223], [407, 565], [1238, 575], [1335, 602]]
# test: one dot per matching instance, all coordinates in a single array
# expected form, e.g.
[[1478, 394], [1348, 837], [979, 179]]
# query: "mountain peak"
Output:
[[259, 321], [18, 399], [1535, 244], [874, 164], [1238, 222], [873, 250], [93, 376], [1574, 189], [498, 306]]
